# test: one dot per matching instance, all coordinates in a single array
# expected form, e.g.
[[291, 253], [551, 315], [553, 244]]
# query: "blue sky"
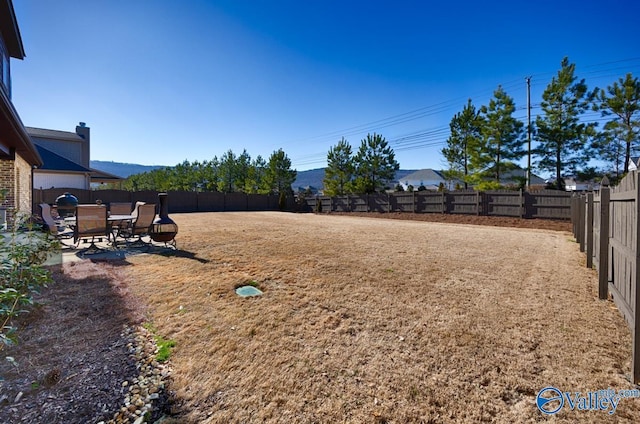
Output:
[[160, 82]]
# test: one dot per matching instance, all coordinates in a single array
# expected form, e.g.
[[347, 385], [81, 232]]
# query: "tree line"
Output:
[[485, 142], [228, 174]]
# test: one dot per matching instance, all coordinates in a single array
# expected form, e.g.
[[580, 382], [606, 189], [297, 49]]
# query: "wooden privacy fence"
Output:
[[605, 223], [179, 201], [542, 204]]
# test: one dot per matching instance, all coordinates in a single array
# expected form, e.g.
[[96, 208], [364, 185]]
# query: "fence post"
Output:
[[414, 200], [442, 203], [477, 203], [603, 265], [521, 205], [589, 235], [581, 206], [574, 216], [635, 356]]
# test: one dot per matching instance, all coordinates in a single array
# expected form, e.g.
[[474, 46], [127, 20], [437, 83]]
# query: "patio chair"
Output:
[[120, 208], [140, 225], [91, 221], [134, 213], [116, 208], [56, 229]]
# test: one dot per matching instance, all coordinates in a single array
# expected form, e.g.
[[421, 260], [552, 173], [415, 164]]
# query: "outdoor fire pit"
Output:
[[163, 228]]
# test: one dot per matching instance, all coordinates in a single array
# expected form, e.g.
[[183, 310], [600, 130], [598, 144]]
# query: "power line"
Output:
[[437, 136]]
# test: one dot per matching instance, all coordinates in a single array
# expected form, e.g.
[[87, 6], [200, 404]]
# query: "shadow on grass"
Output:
[[119, 257]]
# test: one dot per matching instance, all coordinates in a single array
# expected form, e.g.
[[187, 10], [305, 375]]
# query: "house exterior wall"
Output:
[[69, 149], [7, 181], [15, 176], [23, 183], [45, 180]]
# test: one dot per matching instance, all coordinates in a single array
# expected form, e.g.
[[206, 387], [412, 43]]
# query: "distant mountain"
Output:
[[314, 177], [122, 170]]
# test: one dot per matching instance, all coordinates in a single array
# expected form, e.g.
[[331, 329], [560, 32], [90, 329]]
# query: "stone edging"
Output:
[[147, 390]]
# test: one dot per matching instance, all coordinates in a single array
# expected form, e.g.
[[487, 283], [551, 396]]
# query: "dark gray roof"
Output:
[[54, 162], [55, 134], [98, 176], [509, 177], [423, 175]]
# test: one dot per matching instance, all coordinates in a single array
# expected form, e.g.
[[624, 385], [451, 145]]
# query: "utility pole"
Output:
[[528, 79]]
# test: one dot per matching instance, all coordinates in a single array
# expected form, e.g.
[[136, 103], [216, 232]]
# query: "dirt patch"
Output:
[[496, 221], [72, 357], [361, 320]]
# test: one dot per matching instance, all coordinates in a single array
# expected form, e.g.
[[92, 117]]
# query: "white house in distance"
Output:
[[429, 178]]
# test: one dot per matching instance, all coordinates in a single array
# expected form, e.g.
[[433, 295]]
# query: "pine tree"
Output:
[[562, 137], [375, 164], [278, 175], [501, 142], [465, 136], [622, 101], [338, 175]]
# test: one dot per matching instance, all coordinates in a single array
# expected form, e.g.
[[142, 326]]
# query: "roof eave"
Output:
[[10, 30], [18, 137]]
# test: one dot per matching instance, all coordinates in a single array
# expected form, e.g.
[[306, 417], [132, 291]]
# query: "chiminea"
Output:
[[163, 228]]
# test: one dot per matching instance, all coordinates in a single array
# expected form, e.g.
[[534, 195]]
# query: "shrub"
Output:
[[22, 253]]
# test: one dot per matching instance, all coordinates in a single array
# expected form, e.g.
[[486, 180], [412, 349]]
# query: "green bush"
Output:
[[23, 250]]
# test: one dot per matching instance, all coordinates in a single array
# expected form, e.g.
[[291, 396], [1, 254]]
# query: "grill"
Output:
[[66, 205], [163, 228]]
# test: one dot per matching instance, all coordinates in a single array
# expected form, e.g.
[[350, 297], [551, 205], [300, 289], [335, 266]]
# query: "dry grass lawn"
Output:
[[372, 320]]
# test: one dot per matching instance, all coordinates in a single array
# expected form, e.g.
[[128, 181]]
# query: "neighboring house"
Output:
[[66, 157], [572, 184], [515, 176], [429, 178], [633, 163], [18, 155]]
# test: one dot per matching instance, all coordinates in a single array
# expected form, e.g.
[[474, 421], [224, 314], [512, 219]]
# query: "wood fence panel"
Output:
[[463, 202], [261, 202], [402, 202], [359, 203], [210, 201], [235, 202], [147, 196], [379, 202], [429, 202], [341, 204], [625, 258], [181, 201], [326, 203], [550, 204], [503, 203]]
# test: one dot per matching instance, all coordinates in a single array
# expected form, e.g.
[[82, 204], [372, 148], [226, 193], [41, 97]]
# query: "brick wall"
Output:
[[7, 181], [23, 183], [15, 176]]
